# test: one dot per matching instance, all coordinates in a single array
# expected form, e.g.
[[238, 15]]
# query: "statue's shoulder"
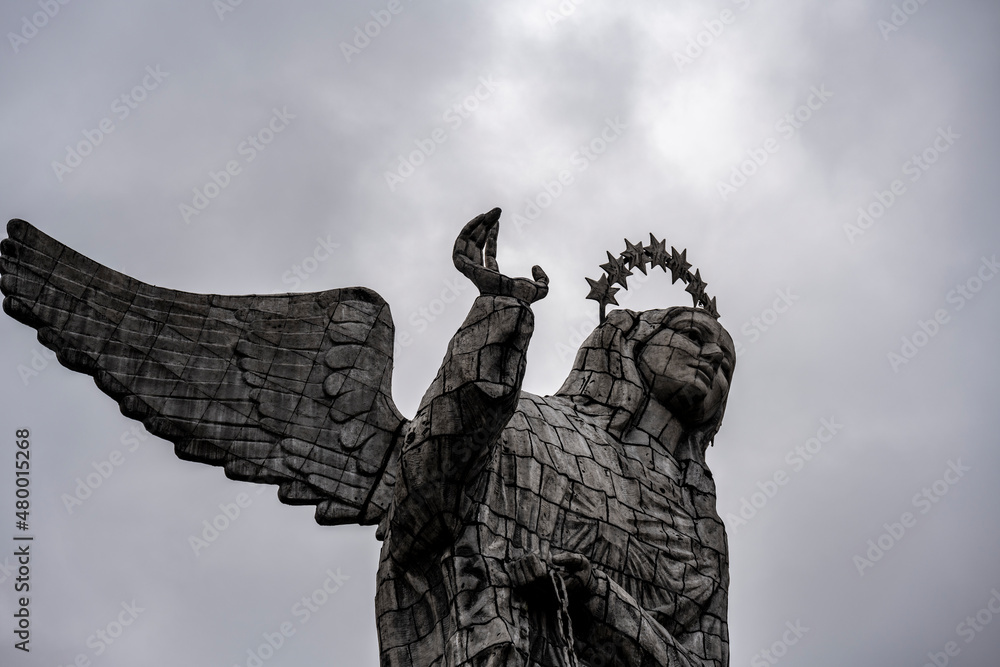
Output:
[[555, 430], [563, 413]]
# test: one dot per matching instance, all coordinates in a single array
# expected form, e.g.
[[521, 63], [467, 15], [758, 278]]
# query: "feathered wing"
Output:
[[287, 389]]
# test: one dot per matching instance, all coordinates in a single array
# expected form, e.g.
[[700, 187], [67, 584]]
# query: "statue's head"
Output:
[[687, 364], [679, 357]]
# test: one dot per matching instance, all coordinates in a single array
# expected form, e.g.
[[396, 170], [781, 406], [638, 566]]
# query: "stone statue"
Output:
[[574, 529]]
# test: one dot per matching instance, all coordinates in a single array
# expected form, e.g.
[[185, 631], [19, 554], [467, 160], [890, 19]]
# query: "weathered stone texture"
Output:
[[574, 529]]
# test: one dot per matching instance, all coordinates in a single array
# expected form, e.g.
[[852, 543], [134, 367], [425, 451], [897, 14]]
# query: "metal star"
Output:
[[656, 252], [602, 292], [710, 306], [635, 256], [616, 270], [678, 264], [696, 287]]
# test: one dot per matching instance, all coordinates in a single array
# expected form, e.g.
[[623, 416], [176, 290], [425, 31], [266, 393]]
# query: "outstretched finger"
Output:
[[477, 229], [469, 244], [539, 275], [490, 249]]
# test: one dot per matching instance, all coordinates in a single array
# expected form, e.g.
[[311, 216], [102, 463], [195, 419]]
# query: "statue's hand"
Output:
[[475, 255], [528, 571], [577, 573], [531, 571]]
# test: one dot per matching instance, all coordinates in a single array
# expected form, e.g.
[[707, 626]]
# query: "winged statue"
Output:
[[578, 529]]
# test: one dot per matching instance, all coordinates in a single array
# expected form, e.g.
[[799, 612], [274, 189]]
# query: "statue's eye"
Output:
[[692, 334]]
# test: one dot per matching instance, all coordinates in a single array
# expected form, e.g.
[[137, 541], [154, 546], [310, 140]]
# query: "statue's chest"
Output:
[[640, 519], [657, 537], [622, 506]]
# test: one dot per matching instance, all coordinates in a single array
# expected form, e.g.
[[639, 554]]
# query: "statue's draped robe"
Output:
[[490, 474]]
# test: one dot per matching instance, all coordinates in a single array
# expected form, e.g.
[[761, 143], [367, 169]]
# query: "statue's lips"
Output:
[[705, 372]]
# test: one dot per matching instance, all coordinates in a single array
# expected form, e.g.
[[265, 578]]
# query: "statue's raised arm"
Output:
[[471, 399]]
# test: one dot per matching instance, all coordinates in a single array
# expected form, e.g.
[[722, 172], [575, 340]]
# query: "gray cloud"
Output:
[[556, 84]]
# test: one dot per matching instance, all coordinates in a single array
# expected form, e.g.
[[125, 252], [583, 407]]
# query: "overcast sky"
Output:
[[749, 132]]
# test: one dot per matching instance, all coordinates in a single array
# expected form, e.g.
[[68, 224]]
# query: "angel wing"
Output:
[[286, 389]]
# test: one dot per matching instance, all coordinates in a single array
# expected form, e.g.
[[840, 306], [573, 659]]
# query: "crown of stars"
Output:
[[616, 271], [638, 256]]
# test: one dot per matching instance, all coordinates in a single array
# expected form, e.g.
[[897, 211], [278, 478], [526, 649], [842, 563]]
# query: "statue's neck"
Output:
[[662, 427]]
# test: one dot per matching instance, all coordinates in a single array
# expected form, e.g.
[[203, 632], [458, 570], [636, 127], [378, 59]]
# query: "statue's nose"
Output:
[[713, 353]]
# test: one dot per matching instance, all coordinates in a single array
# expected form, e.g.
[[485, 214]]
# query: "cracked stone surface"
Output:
[[572, 529]]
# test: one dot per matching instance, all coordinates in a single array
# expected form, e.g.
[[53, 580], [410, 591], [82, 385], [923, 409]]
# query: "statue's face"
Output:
[[688, 365]]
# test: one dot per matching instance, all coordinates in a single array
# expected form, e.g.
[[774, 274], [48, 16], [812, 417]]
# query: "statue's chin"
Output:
[[692, 412]]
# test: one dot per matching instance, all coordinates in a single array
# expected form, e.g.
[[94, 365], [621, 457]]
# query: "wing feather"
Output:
[[288, 389]]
